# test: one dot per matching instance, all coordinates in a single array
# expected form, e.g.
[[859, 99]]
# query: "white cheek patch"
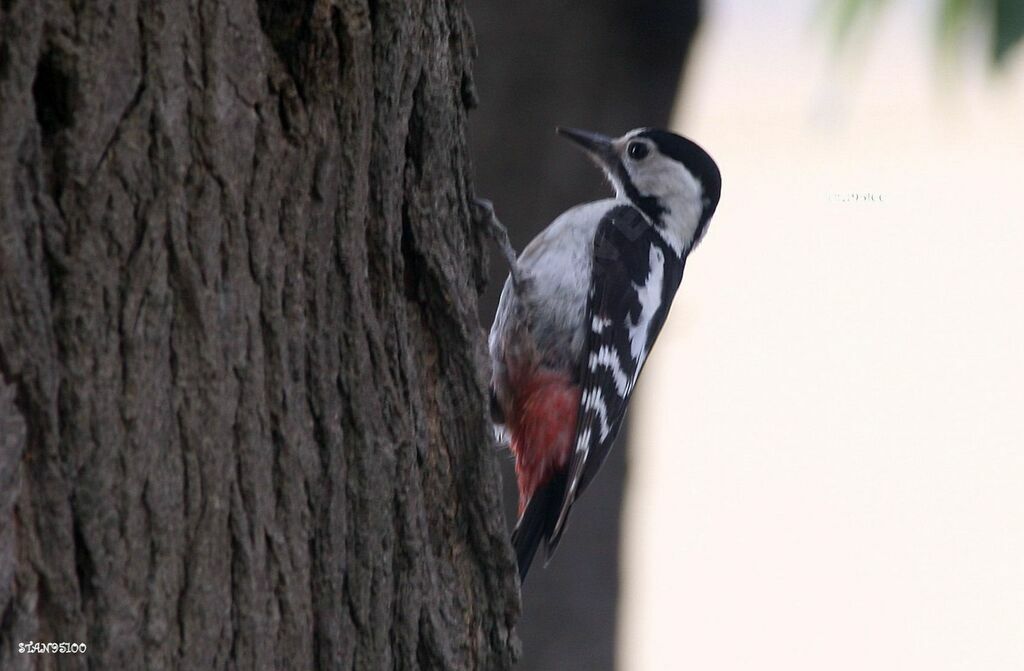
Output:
[[679, 192], [649, 298]]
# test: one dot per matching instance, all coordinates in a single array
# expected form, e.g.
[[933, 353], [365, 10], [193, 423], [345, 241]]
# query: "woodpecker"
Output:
[[580, 311]]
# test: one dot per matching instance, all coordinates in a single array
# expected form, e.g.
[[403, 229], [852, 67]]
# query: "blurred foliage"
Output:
[[1004, 17], [1009, 26]]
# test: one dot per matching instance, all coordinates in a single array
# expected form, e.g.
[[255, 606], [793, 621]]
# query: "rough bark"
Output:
[[604, 65], [242, 418]]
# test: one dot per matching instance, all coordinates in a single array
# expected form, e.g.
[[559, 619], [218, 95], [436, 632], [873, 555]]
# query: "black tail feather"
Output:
[[538, 521]]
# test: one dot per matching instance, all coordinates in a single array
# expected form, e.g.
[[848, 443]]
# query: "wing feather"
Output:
[[635, 277]]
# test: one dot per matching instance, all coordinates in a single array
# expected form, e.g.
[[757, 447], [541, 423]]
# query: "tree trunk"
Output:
[[242, 399], [604, 65]]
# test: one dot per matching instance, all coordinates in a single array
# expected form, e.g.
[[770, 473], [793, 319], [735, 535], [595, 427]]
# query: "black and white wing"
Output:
[[635, 276]]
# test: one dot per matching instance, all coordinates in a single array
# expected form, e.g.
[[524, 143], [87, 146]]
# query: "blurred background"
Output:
[[824, 464]]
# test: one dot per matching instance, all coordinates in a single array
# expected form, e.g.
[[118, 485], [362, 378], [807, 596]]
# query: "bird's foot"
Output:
[[483, 213]]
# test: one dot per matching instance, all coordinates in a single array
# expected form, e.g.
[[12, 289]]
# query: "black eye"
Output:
[[637, 150]]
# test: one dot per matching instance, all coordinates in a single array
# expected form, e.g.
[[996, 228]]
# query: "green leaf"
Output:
[[1008, 28], [953, 17], [845, 15]]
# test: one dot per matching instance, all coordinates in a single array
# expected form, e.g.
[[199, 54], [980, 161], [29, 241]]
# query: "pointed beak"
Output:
[[598, 146]]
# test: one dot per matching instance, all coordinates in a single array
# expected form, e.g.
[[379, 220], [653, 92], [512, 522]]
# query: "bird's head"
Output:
[[670, 178]]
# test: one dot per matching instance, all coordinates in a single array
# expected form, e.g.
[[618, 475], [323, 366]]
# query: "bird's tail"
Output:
[[538, 521]]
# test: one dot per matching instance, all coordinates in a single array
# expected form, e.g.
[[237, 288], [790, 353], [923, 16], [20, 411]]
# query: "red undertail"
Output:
[[542, 424]]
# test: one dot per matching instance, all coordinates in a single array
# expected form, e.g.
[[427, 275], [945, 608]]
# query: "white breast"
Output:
[[557, 266]]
